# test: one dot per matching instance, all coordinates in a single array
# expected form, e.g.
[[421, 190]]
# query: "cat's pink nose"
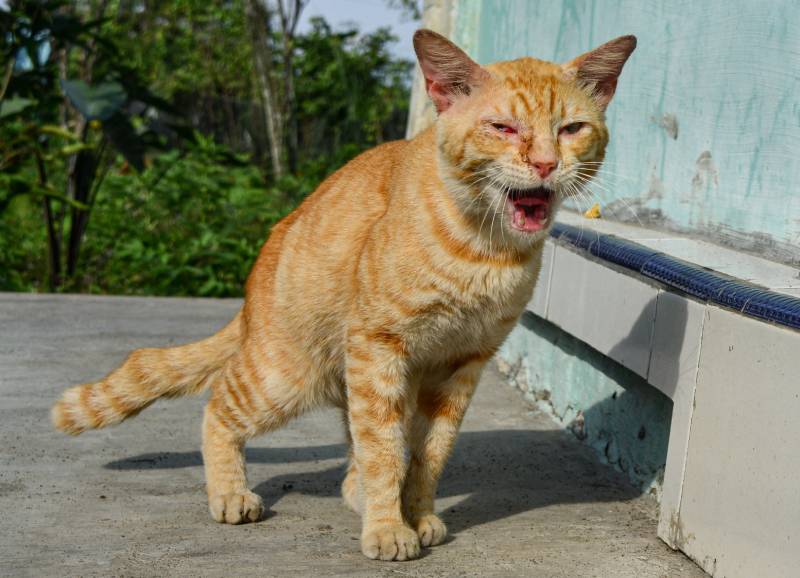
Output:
[[544, 166]]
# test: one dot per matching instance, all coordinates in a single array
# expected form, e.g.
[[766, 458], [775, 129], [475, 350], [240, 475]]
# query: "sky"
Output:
[[368, 15]]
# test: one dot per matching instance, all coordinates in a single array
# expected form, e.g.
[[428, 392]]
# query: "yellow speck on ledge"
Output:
[[594, 212]]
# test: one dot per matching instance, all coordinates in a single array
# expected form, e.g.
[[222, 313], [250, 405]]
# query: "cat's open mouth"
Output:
[[529, 209]]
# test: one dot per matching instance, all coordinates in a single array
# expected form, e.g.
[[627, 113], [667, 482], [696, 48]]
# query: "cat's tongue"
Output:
[[530, 214]]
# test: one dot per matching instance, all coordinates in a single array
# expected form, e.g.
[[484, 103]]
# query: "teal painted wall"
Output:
[[706, 122], [607, 406]]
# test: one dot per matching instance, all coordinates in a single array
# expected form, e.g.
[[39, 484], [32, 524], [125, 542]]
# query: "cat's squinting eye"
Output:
[[571, 128], [504, 128]]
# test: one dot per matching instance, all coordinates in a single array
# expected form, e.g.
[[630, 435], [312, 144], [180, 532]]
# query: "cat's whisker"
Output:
[[494, 216], [631, 210], [485, 215], [609, 207], [475, 200], [588, 179], [483, 178], [580, 193], [502, 212], [617, 199], [493, 182], [602, 173], [599, 187], [584, 196], [595, 179]]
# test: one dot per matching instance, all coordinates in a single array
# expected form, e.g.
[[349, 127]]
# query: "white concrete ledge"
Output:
[[730, 498]]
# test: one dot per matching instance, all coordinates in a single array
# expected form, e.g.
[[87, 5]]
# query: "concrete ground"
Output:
[[520, 497]]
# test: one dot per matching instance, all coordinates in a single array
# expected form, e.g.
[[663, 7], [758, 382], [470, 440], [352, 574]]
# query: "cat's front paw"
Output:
[[431, 530], [392, 542], [236, 508]]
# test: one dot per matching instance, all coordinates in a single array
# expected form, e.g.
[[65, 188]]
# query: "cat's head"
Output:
[[515, 138]]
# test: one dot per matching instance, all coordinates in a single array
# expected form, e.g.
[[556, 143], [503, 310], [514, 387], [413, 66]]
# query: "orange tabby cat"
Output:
[[387, 291]]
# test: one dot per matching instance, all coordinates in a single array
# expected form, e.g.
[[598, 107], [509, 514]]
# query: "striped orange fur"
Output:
[[387, 291]]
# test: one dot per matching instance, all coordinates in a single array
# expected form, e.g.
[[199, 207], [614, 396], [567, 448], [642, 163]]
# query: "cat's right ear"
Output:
[[449, 73]]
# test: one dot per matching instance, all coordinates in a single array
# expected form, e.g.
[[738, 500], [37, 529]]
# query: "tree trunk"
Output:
[[258, 22], [289, 18], [83, 172], [53, 241], [289, 115], [82, 167]]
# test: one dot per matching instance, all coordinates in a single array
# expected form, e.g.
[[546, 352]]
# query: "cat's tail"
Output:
[[146, 375]]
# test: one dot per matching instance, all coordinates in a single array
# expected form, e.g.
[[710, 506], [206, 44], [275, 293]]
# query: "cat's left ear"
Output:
[[599, 69], [449, 72]]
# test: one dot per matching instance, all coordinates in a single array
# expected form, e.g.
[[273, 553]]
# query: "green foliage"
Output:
[[14, 105], [354, 94], [23, 264], [184, 47], [190, 224], [90, 91], [98, 102], [51, 51]]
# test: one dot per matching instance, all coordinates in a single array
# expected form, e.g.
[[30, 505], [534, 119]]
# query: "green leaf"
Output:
[[14, 105], [74, 149], [65, 199], [54, 130], [99, 102], [48, 191]]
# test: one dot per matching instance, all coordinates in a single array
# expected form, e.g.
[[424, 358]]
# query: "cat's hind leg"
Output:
[[351, 486], [229, 499], [247, 400]]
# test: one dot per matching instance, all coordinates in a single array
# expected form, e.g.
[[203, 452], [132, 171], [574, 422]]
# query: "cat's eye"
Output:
[[504, 128], [572, 128]]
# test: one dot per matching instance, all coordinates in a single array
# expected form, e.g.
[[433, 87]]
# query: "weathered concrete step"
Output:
[[521, 498]]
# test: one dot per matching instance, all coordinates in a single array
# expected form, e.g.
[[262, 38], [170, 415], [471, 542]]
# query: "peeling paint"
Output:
[[669, 122], [706, 174], [657, 189]]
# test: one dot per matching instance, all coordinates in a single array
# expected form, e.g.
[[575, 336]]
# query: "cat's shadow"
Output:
[[497, 474]]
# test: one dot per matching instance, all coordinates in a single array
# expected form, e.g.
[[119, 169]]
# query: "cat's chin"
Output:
[[529, 211]]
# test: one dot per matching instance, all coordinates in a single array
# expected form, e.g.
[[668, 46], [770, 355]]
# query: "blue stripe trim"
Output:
[[697, 281]]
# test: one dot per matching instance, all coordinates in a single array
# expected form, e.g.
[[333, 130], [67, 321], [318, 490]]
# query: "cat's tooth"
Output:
[[520, 218]]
